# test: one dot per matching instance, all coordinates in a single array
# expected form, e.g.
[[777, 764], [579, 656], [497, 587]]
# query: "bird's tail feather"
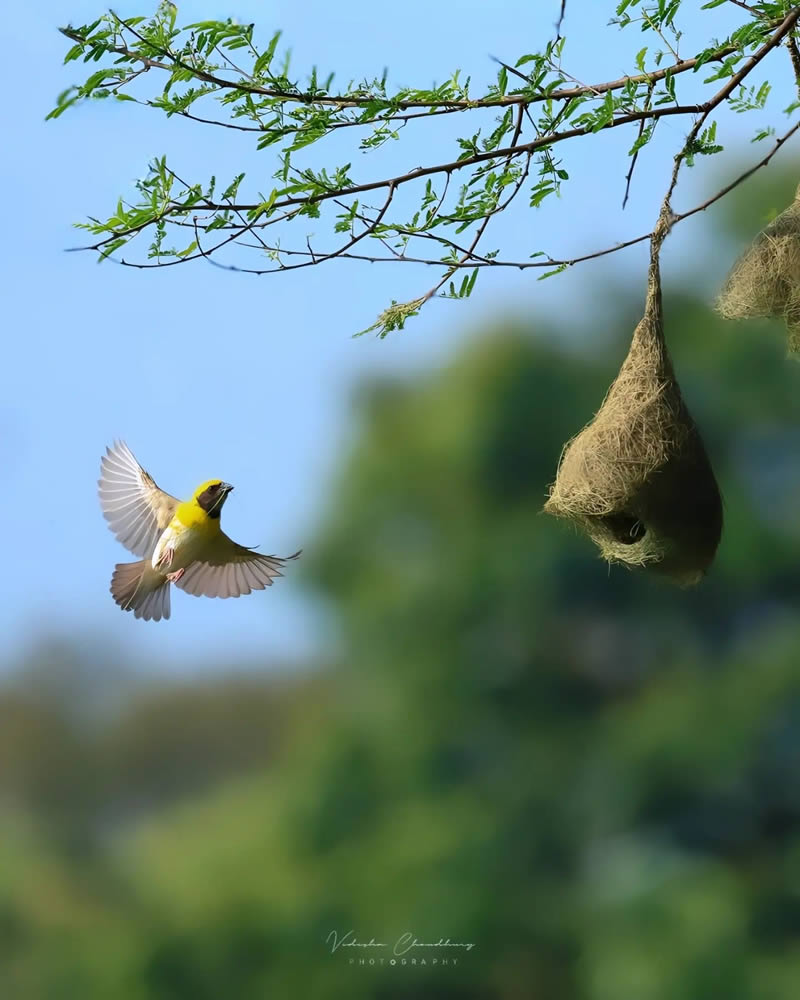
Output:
[[139, 588]]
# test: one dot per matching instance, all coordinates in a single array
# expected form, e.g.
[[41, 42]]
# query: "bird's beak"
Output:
[[226, 487]]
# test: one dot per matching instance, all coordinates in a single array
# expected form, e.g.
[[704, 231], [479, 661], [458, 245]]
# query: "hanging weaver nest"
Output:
[[637, 479], [765, 280]]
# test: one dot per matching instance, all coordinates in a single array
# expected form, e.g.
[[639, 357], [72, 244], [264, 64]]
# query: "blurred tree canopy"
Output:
[[592, 776]]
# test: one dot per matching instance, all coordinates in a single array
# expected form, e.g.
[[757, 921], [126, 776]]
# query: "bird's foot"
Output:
[[166, 557], [174, 577]]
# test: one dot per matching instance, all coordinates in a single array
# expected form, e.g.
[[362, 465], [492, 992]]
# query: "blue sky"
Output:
[[96, 352]]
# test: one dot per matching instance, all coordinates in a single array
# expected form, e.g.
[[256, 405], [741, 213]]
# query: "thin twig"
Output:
[[635, 157], [315, 258], [446, 105], [649, 21], [561, 19], [703, 110], [786, 27], [522, 265], [467, 255], [287, 130], [288, 207], [453, 165]]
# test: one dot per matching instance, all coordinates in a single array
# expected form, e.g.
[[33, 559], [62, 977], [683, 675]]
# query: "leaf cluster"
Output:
[[221, 74]]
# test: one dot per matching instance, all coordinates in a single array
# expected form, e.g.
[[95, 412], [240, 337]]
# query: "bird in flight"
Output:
[[180, 542]]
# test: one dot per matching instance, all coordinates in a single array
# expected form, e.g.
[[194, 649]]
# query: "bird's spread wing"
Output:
[[230, 570], [137, 511]]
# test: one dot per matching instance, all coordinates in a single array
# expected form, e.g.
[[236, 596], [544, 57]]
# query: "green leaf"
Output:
[[264, 60], [556, 270], [394, 318], [109, 248], [64, 100], [502, 80]]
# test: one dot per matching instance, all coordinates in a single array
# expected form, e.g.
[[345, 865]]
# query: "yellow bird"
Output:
[[181, 543]]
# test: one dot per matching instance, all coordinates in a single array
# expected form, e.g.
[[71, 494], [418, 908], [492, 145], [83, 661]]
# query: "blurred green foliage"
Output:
[[592, 776]]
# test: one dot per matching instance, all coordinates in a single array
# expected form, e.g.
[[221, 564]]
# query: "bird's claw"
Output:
[[166, 557], [174, 577]]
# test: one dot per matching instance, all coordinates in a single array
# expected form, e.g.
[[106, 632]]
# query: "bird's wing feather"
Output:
[[137, 511], [230, 570]]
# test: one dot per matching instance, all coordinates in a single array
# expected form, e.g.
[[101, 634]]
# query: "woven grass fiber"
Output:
[[765, 280], [637, 479]]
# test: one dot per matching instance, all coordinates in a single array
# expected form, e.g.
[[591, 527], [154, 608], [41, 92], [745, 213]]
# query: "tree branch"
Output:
[[520, 265], [794, 55], [445, 104], [494, 169]]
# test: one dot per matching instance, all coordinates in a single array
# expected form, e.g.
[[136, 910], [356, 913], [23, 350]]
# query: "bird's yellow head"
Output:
[[211, 495]]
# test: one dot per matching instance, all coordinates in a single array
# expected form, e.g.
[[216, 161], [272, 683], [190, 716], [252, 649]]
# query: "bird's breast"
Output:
[[186, 541]]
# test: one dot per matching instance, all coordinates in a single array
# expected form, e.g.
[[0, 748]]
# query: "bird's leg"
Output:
[[174, 577], [166, 557]]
